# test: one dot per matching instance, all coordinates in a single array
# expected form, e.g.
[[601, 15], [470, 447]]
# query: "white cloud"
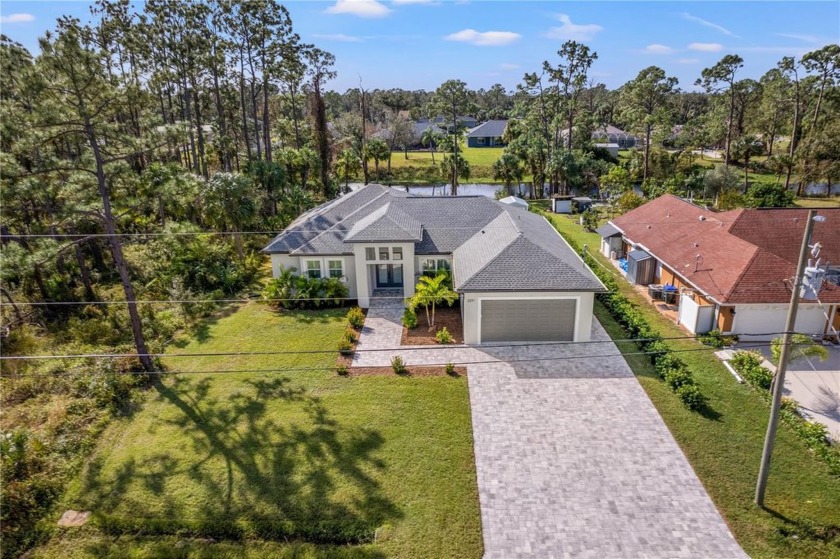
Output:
[[509, 66], [404, 2], [714, 26], [484, 39], [705, 47], [573, 31], [688, 60], [341, 37], [658, 49], [17, 18], [804, 38], [361, 8]]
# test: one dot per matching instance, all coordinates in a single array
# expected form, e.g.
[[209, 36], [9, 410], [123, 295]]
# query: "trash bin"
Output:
[[669, 294], [655, 291]]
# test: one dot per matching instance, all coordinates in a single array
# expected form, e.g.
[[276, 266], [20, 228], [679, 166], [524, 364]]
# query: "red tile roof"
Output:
[[739, 256]]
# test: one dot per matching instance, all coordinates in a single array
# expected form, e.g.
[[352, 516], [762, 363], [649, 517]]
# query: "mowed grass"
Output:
[[226, 455], [802, 518], [480, 159]]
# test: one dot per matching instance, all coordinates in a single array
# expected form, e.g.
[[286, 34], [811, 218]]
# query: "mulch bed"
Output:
[[411, 371], [450, 318]]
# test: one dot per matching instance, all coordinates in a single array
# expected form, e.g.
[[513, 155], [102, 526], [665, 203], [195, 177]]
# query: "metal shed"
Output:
[[641, 267]]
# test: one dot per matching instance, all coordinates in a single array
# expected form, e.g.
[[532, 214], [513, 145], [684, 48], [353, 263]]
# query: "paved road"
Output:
[[815, 385], [571, 456]]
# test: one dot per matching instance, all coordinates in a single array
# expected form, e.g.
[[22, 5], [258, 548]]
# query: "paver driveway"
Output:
[[572, 458]]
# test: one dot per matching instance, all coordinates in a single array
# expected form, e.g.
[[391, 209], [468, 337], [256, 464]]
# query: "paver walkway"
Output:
[[571, 456]]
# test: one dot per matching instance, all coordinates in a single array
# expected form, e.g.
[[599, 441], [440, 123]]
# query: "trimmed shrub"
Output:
[[450, 369], [345, 347], [677, 378], [443, 336], [690, 396], [356, 318], [712, 339], [748, 365], [409, 318], [351, 335], [342, 370], [398, 364]]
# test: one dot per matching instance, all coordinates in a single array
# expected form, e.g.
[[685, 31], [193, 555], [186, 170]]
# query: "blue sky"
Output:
[[418, 44]]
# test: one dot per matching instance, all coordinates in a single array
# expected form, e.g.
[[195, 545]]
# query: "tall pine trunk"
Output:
[[116, 248]]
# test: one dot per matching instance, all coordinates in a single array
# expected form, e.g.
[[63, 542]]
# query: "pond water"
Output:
[[471, 189]]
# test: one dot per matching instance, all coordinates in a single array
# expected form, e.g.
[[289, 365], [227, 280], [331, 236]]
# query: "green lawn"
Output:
[[234, 456], [724, 446], [480, 159]]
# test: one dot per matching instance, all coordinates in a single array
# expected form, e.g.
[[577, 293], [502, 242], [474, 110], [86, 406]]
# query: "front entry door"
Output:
[[389, 275]]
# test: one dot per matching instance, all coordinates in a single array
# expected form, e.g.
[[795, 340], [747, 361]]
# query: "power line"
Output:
[[287, 230], [335, 368], [325, 351]]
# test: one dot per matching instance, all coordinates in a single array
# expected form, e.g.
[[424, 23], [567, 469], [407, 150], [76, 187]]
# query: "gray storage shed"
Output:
[[641, 267]]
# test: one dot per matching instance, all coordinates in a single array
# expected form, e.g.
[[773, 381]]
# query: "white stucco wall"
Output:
[[364, 277], [299, 263], [770, 319], [472, 317]]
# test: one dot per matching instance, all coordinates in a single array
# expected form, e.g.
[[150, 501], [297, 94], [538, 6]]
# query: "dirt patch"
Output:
[[411, 371], [449, 318]]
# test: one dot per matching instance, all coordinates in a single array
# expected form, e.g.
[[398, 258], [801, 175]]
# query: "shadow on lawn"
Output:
[[278, 481]]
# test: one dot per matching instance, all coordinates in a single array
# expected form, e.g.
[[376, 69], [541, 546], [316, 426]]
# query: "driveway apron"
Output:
[[572, 458]]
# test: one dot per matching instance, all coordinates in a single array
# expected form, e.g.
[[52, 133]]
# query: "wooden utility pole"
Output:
[[779, 381]]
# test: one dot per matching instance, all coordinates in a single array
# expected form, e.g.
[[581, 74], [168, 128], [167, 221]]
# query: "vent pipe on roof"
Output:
[[698, 260]]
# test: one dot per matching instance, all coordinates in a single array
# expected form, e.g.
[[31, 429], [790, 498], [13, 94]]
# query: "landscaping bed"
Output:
[[449, 318], [410, 371]]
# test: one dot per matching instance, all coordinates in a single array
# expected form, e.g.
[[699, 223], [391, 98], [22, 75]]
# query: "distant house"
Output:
[[466, 122], [731, 270], [609, 134], [487, 135], [420, 127]]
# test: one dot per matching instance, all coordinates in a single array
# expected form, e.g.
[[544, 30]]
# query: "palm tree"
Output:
[[347, 163], [378, 150], [430, 138], [508, 169], [432, 291]]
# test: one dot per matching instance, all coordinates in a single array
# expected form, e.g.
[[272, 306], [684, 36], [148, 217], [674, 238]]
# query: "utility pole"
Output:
[[779, 381]]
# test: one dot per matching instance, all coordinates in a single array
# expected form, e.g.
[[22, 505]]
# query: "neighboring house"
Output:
[[609, 134], [421, 126], [464, 122], [733, 270], [487, 135], [518, 280]]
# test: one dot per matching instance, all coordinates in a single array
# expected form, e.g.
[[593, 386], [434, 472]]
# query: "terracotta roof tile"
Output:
[[740, 256]]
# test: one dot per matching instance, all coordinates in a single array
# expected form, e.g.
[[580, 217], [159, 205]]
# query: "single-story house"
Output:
[[732, 270], [487, 135], [518, 280], [609, 134]]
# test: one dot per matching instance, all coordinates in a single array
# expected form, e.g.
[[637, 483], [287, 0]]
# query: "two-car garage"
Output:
[[526, 317], [527, 320]]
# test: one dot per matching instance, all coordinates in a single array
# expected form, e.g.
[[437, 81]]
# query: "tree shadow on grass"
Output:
[[306, 479]]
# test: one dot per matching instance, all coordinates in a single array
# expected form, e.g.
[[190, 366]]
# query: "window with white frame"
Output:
[[370, 253], [383, 253], [313, 268], [396, 252], [480, 141], [335, 268], [432, 266]]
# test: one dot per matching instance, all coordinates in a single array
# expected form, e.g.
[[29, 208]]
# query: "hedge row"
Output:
[[814, 434], [669, 367]]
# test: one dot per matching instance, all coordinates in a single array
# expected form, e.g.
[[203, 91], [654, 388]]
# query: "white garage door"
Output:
[[527, 320], [769, 321]]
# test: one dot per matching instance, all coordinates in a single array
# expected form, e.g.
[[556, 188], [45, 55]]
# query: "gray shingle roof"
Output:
[[490, 129], [495, 247], [388, 223]]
